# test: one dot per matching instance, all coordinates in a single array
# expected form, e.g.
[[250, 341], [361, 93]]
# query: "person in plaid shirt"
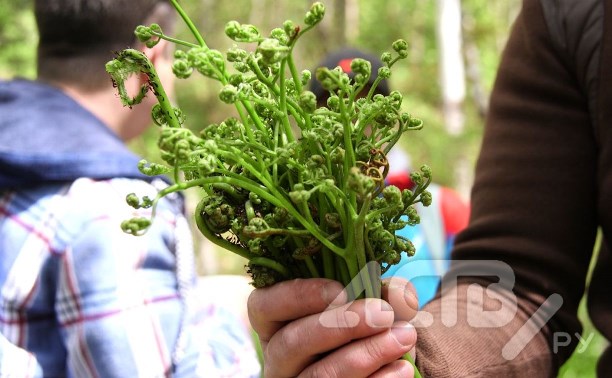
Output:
[[78, 297]]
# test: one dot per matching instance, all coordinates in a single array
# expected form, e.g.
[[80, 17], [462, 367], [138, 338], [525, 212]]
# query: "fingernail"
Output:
[[333, 294], [378, 313], [411, 299], [404, 333]]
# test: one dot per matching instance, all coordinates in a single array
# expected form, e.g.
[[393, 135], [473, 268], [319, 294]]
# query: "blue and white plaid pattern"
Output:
[[80, 298]]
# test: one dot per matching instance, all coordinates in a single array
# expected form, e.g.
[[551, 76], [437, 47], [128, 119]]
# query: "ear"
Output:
[[158, 52]]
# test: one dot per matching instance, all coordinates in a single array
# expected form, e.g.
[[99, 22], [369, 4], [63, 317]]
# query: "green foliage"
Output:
[[297, 190], [372, 26], [17, 38], [377, 22], [583, 361], [485, 24]]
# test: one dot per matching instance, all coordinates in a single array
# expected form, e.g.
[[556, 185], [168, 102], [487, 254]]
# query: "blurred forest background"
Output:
[[455, 47], [452, 102]]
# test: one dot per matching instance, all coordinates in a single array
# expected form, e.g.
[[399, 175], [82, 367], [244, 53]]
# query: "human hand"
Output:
[[307, 329]]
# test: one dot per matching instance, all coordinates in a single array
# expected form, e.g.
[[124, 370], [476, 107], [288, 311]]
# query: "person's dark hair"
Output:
[[342, 58], [78, 37]]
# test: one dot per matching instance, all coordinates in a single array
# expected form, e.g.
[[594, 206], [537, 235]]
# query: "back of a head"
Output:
[[342, 58], [77, 37]]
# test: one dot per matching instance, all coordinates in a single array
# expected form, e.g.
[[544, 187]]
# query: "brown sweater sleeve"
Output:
[[533, 208], [487, 336]]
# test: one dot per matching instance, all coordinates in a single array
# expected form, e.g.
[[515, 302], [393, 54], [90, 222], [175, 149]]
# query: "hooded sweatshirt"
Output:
[[45, 137]]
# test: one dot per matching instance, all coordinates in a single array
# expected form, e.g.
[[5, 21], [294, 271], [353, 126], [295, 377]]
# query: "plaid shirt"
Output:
[[80, 298]]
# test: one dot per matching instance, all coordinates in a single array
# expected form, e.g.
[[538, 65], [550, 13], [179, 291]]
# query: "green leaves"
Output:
[[242, 33], [135, 226], [146, 34], [272, 51], [297, 190], [315, 14], [127, 63]]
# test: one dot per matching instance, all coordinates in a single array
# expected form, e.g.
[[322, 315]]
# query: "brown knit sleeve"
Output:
[[481, 334], [533, 209]]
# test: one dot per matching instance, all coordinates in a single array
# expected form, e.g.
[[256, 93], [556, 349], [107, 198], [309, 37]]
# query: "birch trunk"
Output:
[[452, 70], [452, 81]]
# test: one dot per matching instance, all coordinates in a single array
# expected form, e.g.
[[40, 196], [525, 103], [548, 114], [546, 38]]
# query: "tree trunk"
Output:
[[452, 80], [452, 71], [352, 21], [339, 23]]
